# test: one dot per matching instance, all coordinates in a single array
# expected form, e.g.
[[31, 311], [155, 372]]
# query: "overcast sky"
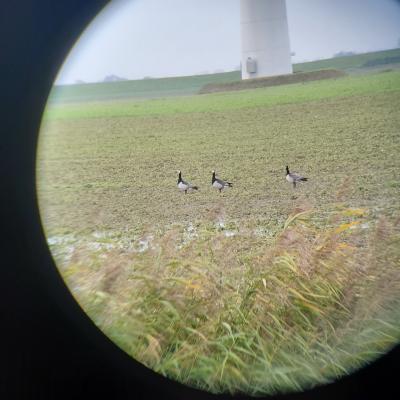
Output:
[[158, 38]]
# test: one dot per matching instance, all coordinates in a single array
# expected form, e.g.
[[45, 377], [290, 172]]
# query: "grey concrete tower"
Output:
[[265, 38]]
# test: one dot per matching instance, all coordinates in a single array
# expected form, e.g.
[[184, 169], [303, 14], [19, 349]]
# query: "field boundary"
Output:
[[298, 77]]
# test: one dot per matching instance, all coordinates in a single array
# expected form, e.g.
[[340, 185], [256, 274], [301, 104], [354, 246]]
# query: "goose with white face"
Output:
[[219, 183], [294, 178], [185, 186]]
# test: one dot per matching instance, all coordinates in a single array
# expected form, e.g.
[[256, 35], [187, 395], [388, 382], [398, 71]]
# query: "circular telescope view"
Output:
[[219, 186]]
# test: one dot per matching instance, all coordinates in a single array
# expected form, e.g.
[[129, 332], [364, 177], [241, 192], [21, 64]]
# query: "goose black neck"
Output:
[[213, 177], [179, 177], [287, 170]]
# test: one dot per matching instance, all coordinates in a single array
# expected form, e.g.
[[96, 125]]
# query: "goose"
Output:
[[292, 177], [219, 183], [185, 186]]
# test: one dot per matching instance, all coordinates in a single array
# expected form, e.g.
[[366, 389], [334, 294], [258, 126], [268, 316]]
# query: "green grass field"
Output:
[[355, 63], [259, 289], [190, 85]]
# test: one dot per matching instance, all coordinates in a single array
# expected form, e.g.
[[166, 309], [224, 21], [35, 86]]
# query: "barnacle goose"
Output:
[[185, 186], [219, 183], [292, 177]]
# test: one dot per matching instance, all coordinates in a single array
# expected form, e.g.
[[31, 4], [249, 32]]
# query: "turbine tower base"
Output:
[[265, 39]]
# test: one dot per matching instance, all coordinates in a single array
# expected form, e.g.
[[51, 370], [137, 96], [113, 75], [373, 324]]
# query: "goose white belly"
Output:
[[183, 186], [217, 185], [289, 178]]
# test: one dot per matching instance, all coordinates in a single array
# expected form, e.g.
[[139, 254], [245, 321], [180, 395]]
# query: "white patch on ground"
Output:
[[64, 253], [102, 246], [221, 224], [144, 244], [263, 232], [61, 239], [100, 235], [189, 234], [62, 247], [365, 225]]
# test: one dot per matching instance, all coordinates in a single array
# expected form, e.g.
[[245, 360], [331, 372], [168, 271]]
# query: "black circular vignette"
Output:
[[50, 348]]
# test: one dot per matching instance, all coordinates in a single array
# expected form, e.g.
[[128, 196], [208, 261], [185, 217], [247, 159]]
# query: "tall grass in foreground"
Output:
[[248, 313]]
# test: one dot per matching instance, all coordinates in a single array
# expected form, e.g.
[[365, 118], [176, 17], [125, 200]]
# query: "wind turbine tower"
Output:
[[265, 38]]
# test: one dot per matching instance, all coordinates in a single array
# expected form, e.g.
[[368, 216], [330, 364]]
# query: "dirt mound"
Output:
[[272, 81]]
